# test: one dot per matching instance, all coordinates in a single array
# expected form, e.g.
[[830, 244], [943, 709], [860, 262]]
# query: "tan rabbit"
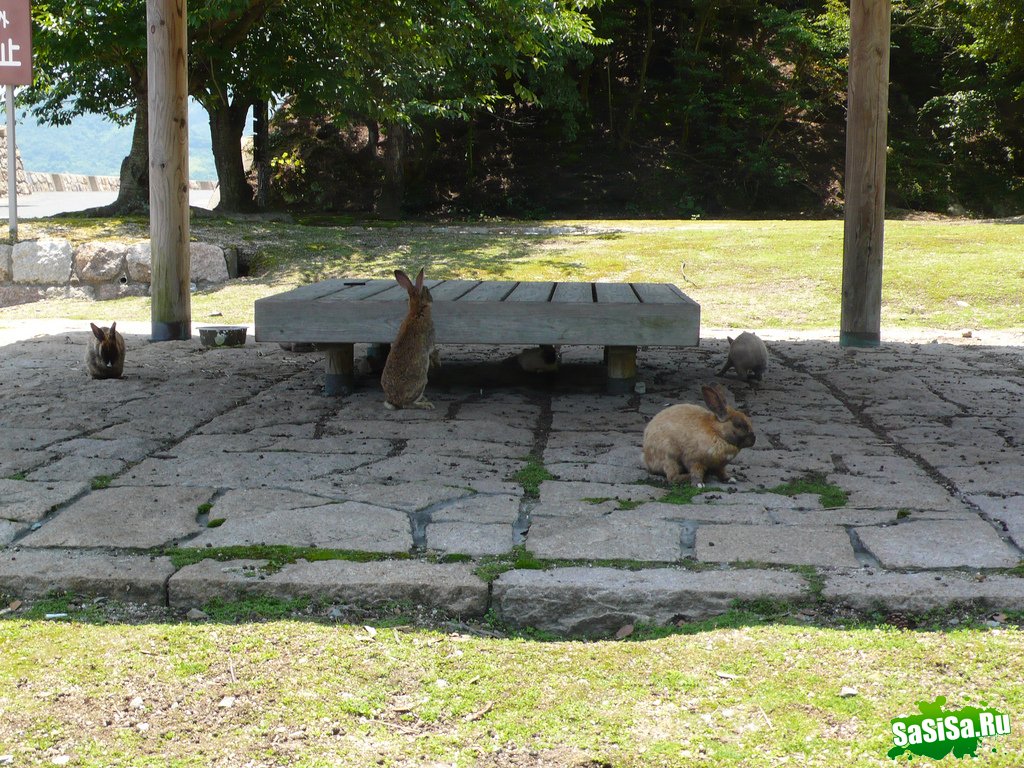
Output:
[[690, 439], [404, 377], [748, 355], [105, 356]]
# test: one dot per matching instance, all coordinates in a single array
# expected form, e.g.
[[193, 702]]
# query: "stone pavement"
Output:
[[215, 448]]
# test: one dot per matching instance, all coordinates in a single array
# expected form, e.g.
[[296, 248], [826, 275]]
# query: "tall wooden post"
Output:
[[864, 187], [167, 51]]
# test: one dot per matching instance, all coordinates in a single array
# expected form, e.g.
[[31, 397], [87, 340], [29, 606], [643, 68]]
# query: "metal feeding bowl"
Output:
[[223, 335]]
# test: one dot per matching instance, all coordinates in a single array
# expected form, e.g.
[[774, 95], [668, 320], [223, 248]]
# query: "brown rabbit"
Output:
[[404, 377], [748, 355], [105, 356], [691, 439]]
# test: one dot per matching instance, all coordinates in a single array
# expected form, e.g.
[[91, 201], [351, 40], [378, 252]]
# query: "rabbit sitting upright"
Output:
[[105, 356], [690, 439], [404, 377]]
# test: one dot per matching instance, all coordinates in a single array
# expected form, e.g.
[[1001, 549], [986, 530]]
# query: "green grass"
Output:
[[100, 482], [831, 495], [739, 691], [532, 475], [750, 274]]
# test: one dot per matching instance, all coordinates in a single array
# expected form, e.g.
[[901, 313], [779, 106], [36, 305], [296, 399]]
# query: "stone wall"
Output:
[[52, 267], [24, 184]]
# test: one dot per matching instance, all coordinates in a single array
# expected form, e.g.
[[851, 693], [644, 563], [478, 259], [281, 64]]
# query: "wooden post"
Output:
[[167, 51], [340, 376], [620, 365], [864, 186]]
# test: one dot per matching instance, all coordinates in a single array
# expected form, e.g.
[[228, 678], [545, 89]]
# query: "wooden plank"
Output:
[[864, 182], [659, 293], [167, 57], [490, 290], [532, 292], [395, 291], [472, 320], [573, 293], [615, 293], [452, 290], [318, 290]]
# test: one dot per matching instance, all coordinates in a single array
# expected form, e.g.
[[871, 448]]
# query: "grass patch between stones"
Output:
[[532, 475], [831, 495]]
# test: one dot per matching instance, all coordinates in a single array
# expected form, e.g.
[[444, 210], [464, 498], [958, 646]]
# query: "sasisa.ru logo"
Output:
[[937, 733]]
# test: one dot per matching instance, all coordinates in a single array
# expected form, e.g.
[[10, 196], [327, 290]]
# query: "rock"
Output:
[[195, 614], [452, 588], [46, 261], [598, 601], [134, 578], [139, 260], [846, 692], [5, 262], [100, 261], [208, 264]]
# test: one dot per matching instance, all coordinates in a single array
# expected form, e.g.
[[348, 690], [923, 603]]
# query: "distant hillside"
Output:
[[94, 146]]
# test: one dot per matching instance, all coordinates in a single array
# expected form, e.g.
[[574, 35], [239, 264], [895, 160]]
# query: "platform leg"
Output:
[[340, 378], [621, 368]]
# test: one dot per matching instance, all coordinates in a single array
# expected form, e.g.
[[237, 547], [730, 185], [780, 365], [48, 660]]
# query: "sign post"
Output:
[[15, 69]]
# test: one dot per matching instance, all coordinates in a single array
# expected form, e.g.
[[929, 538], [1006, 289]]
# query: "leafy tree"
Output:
[[90, 57]]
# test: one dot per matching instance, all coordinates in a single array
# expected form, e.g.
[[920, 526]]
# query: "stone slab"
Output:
[[920, 592], [34, 573], [348, 525], [618, 535], [598, 601], [827, 545], [478, 508], [124, 517], [559, 491], [598, 473], [9, 530], [1005, 511], [452, 588], [475, 539], [26, 501], [939, 544], [238, 470]]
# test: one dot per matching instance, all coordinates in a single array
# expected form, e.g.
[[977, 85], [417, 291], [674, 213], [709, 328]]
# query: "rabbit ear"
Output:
[[97, 331], [714, 396], [113, 327], [403, 280], [419, 281]]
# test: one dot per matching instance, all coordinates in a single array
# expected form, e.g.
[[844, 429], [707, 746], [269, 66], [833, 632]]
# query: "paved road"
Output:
[[39, 205], [236, 447]]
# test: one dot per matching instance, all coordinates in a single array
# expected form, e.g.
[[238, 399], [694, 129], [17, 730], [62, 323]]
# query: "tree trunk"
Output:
[[389, 204], [227, 121], [133, 191]]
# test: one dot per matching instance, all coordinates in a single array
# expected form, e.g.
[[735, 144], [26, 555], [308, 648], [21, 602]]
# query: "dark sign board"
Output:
[[15, 43]]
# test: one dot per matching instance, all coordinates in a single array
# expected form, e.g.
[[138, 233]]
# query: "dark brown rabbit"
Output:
[[692, 440], [404, 377], [105, 356]]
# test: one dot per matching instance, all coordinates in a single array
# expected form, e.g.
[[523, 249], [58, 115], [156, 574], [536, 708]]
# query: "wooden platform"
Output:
[[335, 314]]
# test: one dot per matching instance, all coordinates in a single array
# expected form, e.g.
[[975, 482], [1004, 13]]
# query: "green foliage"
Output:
[[100, 482], [831, 495], [259, 608], [532, 475]]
